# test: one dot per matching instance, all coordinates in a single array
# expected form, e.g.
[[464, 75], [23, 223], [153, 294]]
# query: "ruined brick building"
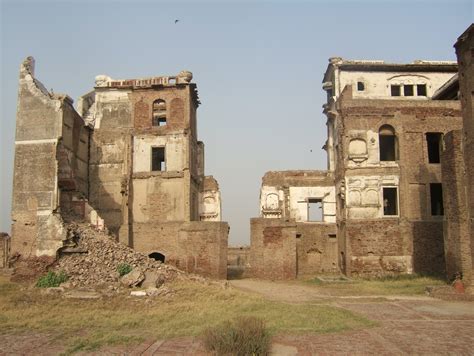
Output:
[[128, 159], [381, 202]]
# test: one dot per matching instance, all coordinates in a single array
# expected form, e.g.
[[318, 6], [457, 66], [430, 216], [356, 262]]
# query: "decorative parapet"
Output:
[[104, 81]]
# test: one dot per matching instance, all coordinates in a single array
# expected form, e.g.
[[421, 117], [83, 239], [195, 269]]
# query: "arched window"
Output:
[[388, 143], [159, 113]]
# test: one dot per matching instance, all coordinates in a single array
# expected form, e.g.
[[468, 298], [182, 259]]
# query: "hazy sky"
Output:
[[258, 67]]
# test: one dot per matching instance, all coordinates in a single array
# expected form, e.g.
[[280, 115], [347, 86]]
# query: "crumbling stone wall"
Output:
[[48, 162], [99, 165], [194, 246]]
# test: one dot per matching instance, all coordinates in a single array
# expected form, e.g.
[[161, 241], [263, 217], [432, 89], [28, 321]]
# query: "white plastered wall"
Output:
[[299, 202], [377, 84], [210, 205], [363, 150], [103, 99], [364, 195], [272, 202], [175, 155]]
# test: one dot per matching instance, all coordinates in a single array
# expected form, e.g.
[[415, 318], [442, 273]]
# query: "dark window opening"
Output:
[[390, 202], [408, 90], [395, 90], [157, 256], [298, 236], [436, 195], [360, 86], [158, 162], [421, 89], [332, 236], [315, 209], [387, 143], [159, 113], [433, 141]]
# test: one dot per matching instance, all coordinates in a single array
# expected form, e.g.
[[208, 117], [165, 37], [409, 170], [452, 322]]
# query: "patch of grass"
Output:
[[123, 269], [51, 279], [90, 324], [403, 284], [243, 336]]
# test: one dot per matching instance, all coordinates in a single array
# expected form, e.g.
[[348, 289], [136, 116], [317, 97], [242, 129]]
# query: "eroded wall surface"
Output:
[[458, 171], [50, 160], [288, 200], [130, 162], [193, 246], [272, 249], [408, 239]]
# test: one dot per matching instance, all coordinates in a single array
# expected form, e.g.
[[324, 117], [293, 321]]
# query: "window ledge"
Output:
[[162, 174]]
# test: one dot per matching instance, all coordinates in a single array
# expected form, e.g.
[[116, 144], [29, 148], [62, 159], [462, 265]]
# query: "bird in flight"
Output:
[[176, 21]]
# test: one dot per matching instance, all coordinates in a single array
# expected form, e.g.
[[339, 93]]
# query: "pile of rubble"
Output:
[[91, 259]]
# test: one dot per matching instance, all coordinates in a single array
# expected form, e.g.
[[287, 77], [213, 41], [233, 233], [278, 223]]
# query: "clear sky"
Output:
[[258, 67]]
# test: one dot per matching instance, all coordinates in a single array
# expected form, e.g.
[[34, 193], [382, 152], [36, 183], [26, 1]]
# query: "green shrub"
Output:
[[123, 269], [51, 279], [243, 336]]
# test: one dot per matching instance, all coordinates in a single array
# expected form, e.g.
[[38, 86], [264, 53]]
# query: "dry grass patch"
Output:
[[89, 324]]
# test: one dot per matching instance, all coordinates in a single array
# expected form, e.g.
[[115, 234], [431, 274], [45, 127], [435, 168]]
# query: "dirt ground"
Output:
[[406, 325]]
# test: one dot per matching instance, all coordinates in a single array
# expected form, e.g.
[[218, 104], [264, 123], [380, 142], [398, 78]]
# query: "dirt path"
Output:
[[281, 291], [293, 292]]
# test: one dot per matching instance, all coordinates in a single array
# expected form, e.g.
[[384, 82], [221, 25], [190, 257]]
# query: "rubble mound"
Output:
[[92, 257]]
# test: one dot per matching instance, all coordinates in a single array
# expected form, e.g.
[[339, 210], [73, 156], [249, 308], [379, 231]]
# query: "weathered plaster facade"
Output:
[[129, 160], [390, 209]]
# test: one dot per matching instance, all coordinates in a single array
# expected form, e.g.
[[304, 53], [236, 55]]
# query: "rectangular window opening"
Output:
[[390, 201], [395, 90], [315, 209], [360, 86], [387, 148], [436, 195], [433, 141], [408, 90], [421, 89], [158, 162], [159, 120]]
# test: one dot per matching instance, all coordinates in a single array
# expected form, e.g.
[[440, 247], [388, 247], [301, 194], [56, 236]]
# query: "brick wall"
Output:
[[413, 241], [465, 55], [195, 246], [273, 249], [378, 247], [317, 249], [456, 224]]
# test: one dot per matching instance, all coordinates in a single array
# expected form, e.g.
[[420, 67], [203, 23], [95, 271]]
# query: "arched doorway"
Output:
[[157, 256]]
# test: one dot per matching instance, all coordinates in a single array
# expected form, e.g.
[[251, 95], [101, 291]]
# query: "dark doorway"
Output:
[[390, 201], [157, 256], [436, 194]]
